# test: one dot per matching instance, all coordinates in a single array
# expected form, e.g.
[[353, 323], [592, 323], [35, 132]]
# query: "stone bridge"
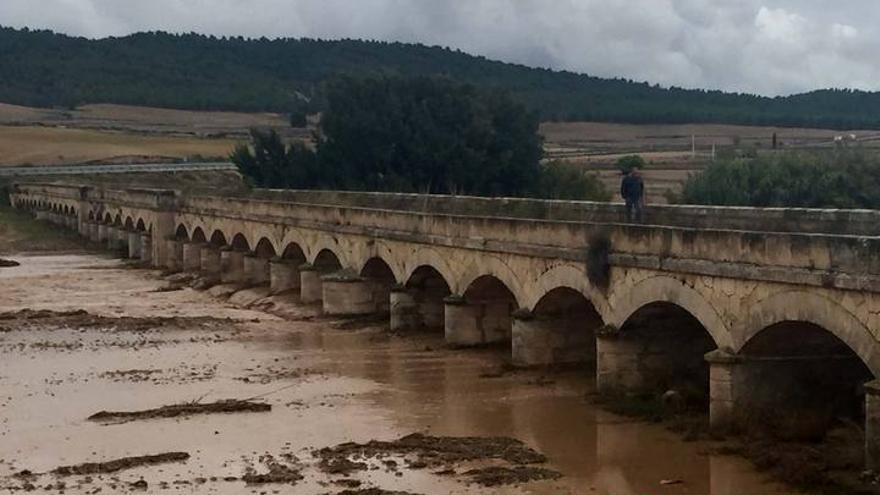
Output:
[[767, 316]]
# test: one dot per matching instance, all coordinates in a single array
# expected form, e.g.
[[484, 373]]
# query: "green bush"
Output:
[[562, 180], [839, 179]]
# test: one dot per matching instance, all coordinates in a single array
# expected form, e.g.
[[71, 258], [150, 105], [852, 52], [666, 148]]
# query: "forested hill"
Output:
[[41, 68]]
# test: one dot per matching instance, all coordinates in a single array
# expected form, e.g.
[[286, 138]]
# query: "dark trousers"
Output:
[[634, 210]]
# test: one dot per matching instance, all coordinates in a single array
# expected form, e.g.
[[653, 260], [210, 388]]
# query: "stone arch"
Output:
[[488, 265], [484, 315], [129, 223], [91, 215], [808, 307], [118, 220], [573, 277], [663, 289], [431, 258], [198, 236], [381, 279], [419, 302], [294, 251], [108, 219], [265, 249], [218, 239], [327, 261], [259, 232], [141, 226], [326, 243], [181, 233], [240, 243], [560, 328]]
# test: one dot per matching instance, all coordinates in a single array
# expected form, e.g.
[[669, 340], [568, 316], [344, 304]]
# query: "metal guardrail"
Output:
[[113, 169]]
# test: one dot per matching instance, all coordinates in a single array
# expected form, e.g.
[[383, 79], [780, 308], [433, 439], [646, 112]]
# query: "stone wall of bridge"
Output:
[[775, 299]]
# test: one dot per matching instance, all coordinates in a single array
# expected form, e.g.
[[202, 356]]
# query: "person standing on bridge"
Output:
[[632, 188]]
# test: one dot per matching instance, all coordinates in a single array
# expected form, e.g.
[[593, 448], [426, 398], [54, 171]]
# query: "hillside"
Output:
[[41, 68]]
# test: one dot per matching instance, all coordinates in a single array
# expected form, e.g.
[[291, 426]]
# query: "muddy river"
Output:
[[114, 340]]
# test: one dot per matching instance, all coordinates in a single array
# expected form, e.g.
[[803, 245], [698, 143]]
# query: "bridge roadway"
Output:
[[769, 316]]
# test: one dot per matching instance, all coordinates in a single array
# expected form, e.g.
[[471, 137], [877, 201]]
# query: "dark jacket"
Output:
[[632, 188]]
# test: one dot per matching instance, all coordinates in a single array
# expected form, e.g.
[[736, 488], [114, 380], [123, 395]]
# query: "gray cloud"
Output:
[[763, 46]]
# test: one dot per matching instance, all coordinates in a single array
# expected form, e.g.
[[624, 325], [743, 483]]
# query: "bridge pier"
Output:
[[284, 275], [538, 340], [310, 285], [475, 323], [147, 248], [872, 426], [404, 308], [347, 295], [174, 254], [119, 241], [231, 266], [92, 231], [256, 270], [192, 256], [135, 246], [102, 233], [210, 265]]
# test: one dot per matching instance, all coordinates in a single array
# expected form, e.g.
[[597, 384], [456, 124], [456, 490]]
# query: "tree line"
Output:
[[425, 134], [192, 71]]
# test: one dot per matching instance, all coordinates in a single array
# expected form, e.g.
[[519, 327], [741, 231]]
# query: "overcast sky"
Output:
[[757, 46]]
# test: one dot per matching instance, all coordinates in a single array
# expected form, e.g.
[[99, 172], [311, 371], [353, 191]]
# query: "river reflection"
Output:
[[424, 387]]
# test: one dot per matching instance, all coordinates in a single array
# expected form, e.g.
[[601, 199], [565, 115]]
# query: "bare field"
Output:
[[56, 146], [602, 138], [146, 120]]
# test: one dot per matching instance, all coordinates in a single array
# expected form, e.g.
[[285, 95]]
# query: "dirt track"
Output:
[[123, 346]]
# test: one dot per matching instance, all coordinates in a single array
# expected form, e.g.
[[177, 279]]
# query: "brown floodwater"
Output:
[[326, 385]]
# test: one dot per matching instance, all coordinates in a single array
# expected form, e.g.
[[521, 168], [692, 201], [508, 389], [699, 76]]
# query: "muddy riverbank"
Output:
[[351, 407]]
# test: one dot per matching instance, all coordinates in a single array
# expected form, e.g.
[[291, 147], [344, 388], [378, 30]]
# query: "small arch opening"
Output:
[[295, 253], [198, 236], [668, 346], [265, 249], [562, 330], [218, 239], [327, 262], [381, 279], [803, 381], [491, 305], [181, 233], [428, 288], [240, 243]]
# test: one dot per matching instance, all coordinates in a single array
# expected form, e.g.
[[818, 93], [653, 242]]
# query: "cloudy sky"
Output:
[[758, 46]]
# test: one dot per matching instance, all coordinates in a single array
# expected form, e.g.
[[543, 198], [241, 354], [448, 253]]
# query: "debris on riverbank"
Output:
[[120, 464], [431, 451], [500, 475], [84, 320], [182, 410], [4, 263], [277, 473], [423, 451]]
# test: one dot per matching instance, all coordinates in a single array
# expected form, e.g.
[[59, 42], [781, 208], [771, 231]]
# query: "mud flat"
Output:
[[354, 410]]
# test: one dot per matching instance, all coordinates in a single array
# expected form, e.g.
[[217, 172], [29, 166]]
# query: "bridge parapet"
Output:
[[828, 221], [843, 261]]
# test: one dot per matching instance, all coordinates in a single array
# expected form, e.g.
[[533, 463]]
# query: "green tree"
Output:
[[563, 180], [629, 162]]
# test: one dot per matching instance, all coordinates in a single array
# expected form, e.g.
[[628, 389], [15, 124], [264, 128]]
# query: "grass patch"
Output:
[[19, 232]]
